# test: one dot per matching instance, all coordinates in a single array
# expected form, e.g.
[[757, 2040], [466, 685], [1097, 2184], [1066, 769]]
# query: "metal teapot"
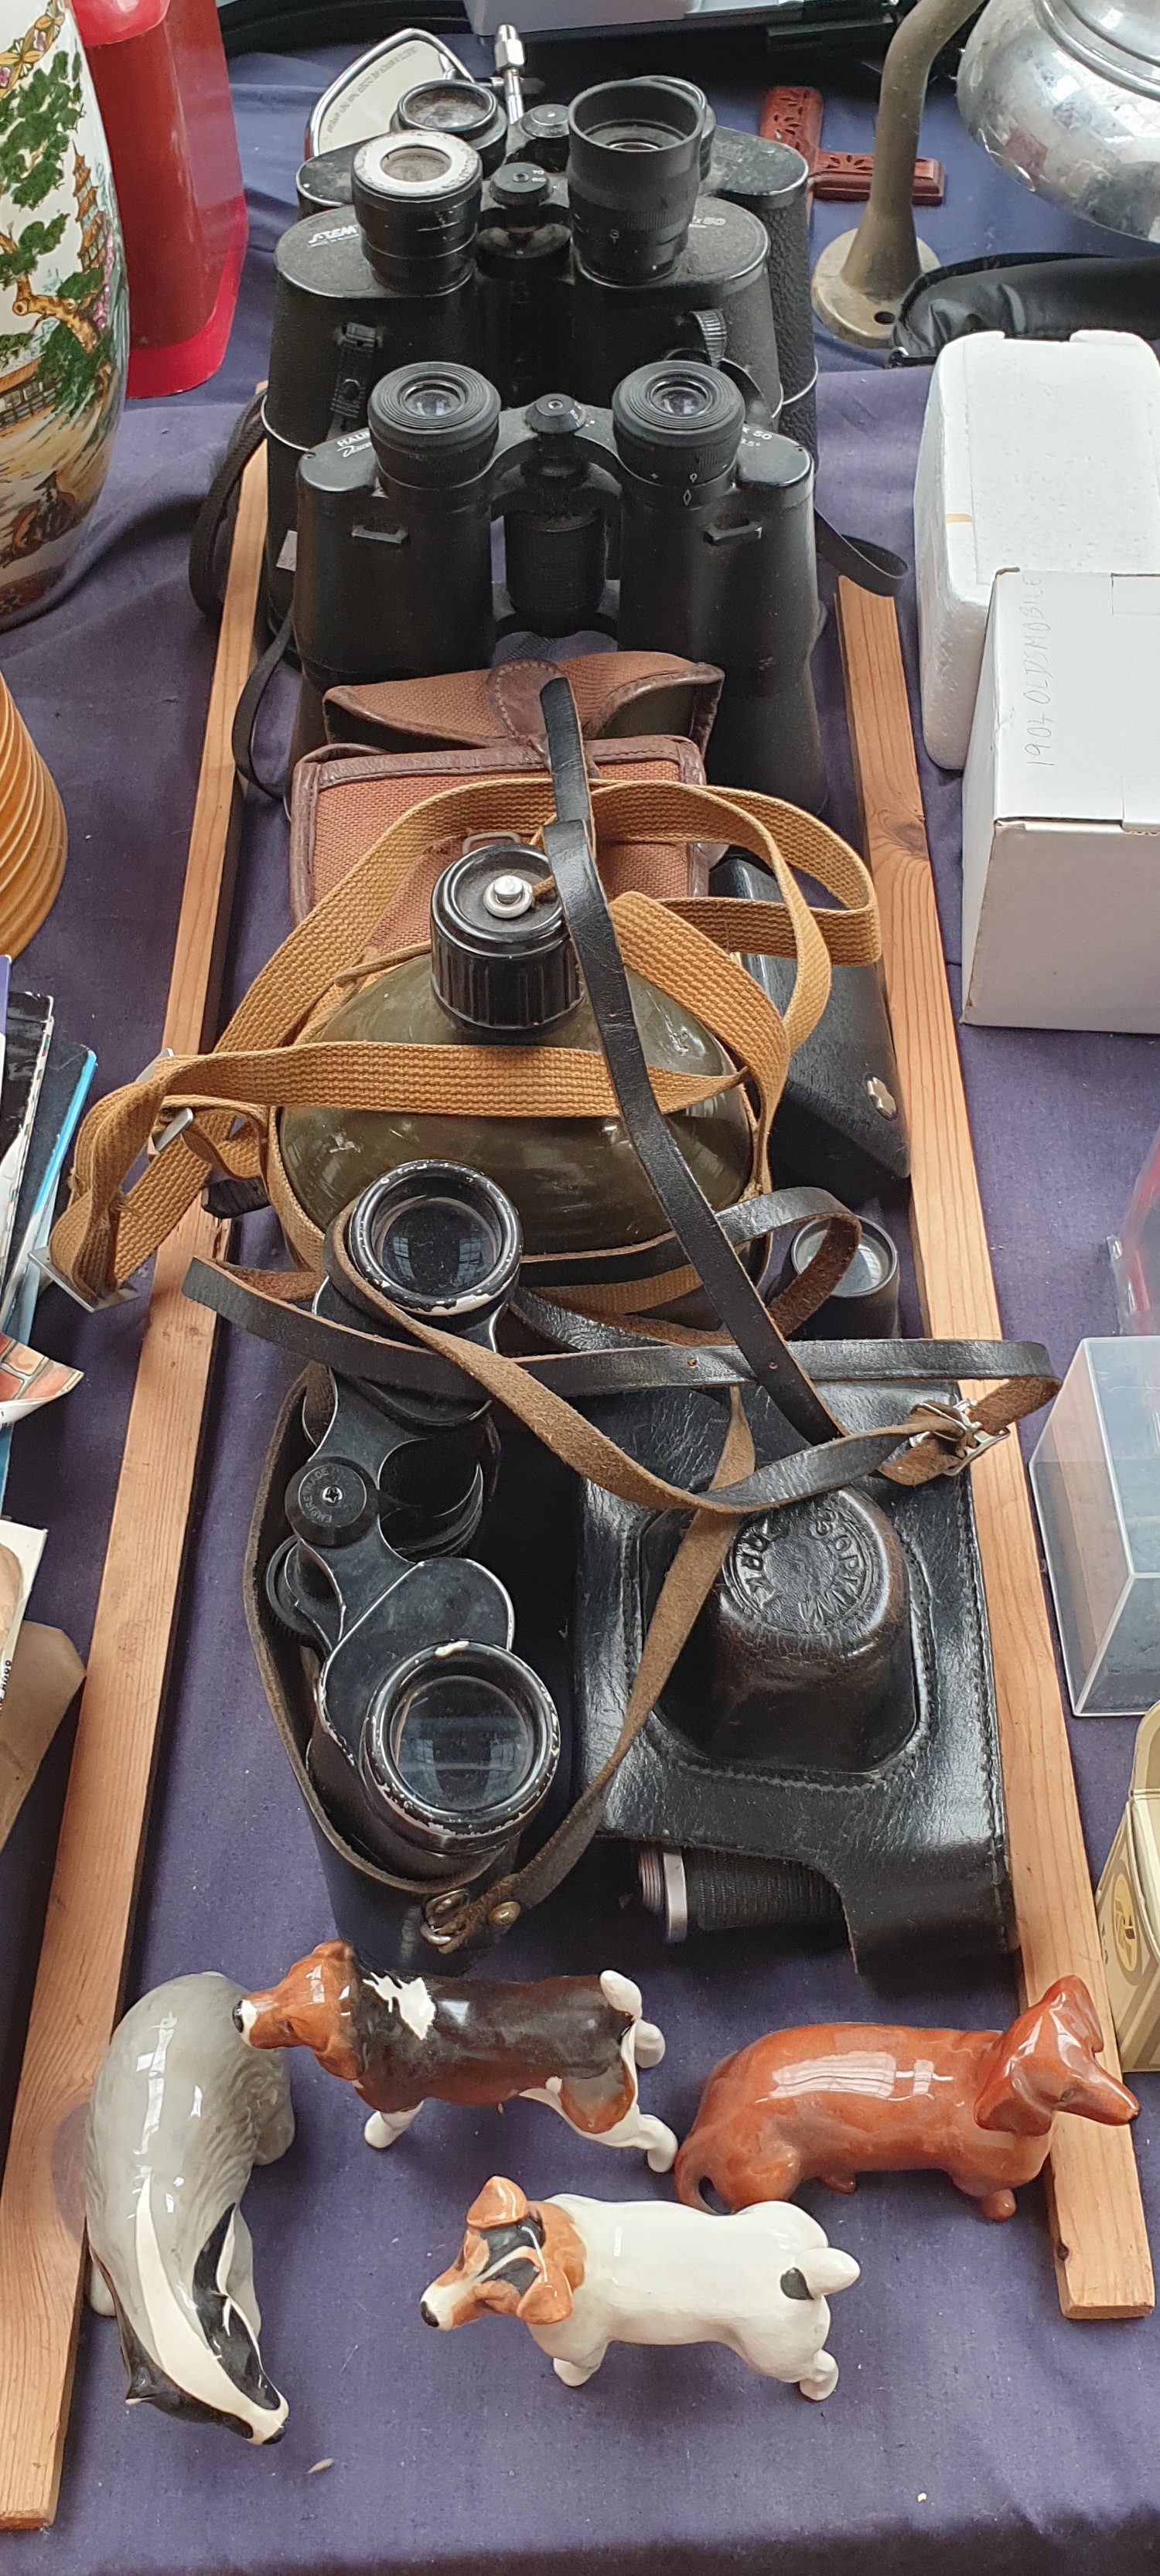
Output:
[[1065, 96]]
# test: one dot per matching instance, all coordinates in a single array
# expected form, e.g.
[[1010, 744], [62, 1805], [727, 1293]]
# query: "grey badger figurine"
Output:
[[180, 2113]]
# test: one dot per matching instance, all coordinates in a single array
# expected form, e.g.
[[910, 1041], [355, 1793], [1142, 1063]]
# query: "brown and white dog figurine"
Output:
[[582, 2274], [857, 2097], [572, 2042]]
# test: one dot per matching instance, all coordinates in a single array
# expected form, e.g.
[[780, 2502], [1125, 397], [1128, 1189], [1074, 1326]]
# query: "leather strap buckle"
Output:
[[954, 1424]]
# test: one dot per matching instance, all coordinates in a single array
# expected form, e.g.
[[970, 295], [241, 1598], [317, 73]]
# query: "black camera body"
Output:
[[623, 229], [683, 484]]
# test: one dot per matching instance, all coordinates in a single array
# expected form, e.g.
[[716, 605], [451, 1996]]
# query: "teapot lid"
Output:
[[1119, 38]]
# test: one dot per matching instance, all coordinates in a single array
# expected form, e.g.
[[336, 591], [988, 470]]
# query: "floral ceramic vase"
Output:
[[64, 333]]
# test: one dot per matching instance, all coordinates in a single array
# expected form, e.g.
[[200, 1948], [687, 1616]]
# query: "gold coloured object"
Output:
[[33, 835]]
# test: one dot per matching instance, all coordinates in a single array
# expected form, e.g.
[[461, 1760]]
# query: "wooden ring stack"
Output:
[[33, 834]]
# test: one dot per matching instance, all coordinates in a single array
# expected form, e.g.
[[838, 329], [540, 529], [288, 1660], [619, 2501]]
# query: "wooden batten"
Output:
[[90, 1909], [1099, 2240]]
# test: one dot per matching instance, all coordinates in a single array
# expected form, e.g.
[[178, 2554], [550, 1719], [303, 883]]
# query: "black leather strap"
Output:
[[872, 567], [249, 708], [604, 1361], [208, 554], [567, 847]]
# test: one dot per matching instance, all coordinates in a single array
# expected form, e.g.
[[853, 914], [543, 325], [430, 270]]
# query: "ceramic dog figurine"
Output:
[[855, 2097], [582, 2274], [572, 2042], [179, 2114]]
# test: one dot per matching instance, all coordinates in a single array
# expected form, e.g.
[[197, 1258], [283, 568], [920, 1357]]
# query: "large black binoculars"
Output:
[[564, 251], [684, 485]]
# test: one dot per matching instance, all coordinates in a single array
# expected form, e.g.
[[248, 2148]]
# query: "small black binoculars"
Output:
[[433, 1745]]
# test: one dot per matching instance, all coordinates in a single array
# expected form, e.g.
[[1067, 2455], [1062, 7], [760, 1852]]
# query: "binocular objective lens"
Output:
[[461, 1745], [436, 1250]]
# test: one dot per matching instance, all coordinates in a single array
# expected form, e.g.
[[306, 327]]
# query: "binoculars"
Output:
[[565, 250], [433, 1746], [683, 485]]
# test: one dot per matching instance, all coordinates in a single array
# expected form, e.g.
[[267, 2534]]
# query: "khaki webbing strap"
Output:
[[686, 1587], [104, 1236]]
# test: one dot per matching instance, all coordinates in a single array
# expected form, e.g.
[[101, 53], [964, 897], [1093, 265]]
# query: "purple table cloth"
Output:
[[972, 2428]]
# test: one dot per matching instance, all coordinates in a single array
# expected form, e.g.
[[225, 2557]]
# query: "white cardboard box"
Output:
[[1061, 807], [1041, 454]]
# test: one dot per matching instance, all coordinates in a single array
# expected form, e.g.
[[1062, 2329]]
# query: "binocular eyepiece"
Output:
[[417, 198], [433, 425], [443, 1243], [433, 1744], [678, 423], [637, 152]]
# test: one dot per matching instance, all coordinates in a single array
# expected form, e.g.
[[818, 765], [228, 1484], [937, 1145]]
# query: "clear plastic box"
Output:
[[1096, 1479], [1135, 1252]]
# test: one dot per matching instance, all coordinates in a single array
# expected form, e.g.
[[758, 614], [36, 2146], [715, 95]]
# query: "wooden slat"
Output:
[[1098, 2235], [98, 1860]]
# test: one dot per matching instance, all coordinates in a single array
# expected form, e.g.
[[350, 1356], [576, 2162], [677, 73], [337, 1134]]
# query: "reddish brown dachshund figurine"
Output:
[[572, 2042], [858, 2097]]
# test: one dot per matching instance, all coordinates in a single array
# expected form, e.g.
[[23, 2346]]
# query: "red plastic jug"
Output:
[[161, 81]]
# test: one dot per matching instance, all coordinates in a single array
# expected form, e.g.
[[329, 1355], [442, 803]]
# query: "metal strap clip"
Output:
[[953, 1423], [91, 1305]]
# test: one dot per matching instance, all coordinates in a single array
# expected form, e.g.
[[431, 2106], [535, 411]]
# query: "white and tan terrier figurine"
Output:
[[582, 2274]]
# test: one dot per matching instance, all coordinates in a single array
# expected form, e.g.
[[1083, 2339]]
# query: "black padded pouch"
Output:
[[826, 1745], [839, 1123], [1028, 295]]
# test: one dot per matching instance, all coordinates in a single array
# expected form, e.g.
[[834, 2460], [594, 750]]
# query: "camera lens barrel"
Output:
[[678, 422], [417, 199], [634, 171], [432, 425]]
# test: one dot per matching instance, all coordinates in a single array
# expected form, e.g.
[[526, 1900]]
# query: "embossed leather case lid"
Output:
[[912, 1834]]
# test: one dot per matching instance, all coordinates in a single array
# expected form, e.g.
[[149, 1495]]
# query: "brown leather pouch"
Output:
[[616, 695], [344, 798]]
